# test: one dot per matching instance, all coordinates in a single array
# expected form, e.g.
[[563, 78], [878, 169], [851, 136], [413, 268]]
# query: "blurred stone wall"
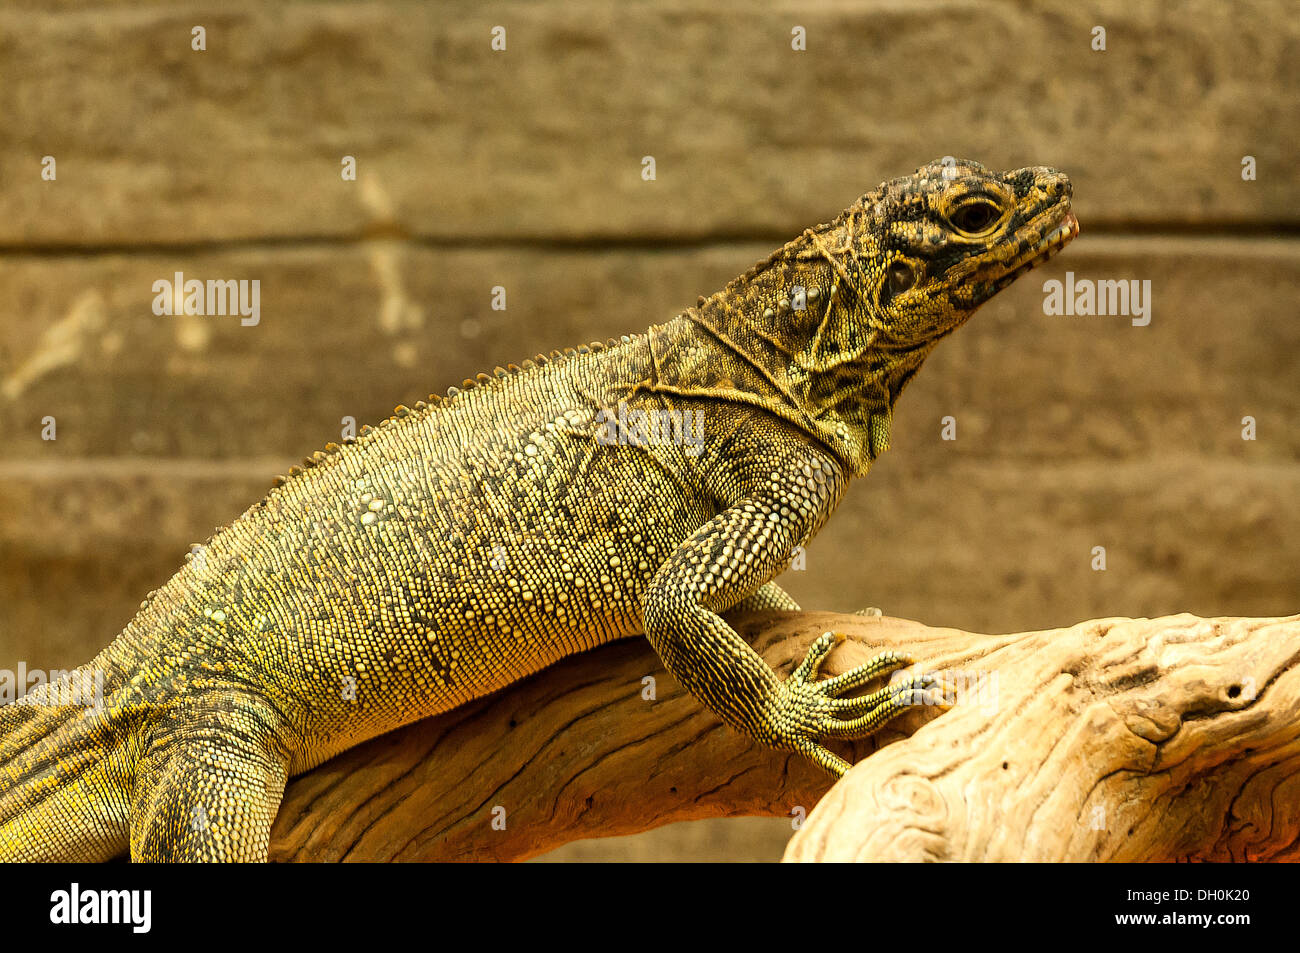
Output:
[[479, 168]]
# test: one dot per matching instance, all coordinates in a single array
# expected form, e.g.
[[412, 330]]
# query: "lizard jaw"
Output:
[[1046, 247]]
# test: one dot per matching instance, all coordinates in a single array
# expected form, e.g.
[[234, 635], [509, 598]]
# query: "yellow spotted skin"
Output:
[[466, 543]]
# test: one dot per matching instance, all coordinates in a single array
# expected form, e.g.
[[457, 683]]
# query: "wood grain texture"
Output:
[[1170, 739], [1115, 739]]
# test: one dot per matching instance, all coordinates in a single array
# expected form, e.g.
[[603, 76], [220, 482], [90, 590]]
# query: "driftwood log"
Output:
[[1115, 739]]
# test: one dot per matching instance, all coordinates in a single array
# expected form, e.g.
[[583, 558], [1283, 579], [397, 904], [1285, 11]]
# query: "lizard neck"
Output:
[[792, 335]]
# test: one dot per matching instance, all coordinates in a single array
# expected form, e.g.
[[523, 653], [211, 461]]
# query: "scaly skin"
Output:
[[465, 544]]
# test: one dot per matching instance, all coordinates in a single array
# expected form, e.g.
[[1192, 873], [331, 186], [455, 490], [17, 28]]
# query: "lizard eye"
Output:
[[975, 217], [901, 277]]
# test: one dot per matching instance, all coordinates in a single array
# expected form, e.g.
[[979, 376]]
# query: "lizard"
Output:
[[652, 484]]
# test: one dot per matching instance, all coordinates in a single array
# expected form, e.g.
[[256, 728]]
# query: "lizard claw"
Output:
[[807, 711], [817, 652]]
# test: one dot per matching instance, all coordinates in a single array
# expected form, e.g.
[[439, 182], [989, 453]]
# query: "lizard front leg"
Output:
[[737, 552]]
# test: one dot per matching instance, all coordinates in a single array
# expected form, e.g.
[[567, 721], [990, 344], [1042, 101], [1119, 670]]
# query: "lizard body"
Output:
[[647, 485]]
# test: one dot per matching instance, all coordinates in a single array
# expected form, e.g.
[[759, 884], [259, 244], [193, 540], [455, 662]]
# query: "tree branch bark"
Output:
[[1115, 739]]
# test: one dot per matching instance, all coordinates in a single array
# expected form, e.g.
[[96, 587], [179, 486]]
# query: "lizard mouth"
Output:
[[1036, 251]]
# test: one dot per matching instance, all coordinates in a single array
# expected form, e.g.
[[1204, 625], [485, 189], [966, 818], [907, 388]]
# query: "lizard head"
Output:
[[830, 328], [941, 242]]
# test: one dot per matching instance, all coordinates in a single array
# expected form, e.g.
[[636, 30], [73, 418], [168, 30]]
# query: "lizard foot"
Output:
[[807, 711]]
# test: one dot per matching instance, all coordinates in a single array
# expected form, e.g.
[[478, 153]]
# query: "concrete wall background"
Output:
[[522, 169]]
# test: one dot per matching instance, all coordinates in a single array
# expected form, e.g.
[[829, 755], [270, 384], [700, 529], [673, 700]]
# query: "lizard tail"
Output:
[[64, 776]]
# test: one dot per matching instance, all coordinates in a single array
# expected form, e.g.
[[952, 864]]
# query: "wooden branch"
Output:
[[1114, 739]]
